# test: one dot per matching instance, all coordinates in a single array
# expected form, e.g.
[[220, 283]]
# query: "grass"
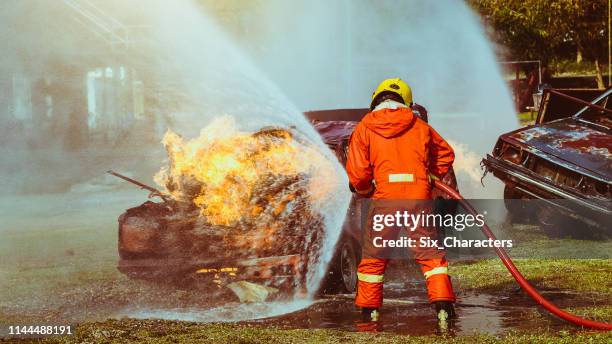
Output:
[[597, 313], [579, 275], [156, 331], [526, 118], [588, 281], [582, 266], [566, 67]]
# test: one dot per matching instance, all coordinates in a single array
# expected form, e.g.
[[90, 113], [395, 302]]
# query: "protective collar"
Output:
[[389, 104]]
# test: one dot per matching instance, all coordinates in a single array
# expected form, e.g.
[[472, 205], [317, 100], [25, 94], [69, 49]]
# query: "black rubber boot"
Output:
[[370, 314], [445, 309], [445, 313]]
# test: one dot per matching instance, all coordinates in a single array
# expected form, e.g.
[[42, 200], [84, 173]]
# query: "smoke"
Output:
[[332, 54], [217, 78], [189, 71], [81, 96]]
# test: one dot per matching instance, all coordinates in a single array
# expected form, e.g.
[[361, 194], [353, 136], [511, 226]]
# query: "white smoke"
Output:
[[189, 67], [281, 58], [332, 54]]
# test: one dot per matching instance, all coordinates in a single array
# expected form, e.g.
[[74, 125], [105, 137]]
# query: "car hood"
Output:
[[573, 142], [334, 132]]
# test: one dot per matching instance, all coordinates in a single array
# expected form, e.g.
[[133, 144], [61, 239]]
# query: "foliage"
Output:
[[542, 29]]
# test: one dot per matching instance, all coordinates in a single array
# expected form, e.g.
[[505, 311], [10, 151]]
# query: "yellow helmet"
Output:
[[395, 85]]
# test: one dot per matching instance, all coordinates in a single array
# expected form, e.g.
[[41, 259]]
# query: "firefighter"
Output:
[[393, 155]]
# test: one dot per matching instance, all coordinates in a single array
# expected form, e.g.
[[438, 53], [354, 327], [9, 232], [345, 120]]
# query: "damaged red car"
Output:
[[565, 158]]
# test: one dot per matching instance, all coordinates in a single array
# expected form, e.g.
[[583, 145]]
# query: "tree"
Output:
[[530, 29], [539, 29], [589, 31]]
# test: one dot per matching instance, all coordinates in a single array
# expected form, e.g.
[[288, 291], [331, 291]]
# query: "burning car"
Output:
[[234, 204], [244, 207], [564, 158]]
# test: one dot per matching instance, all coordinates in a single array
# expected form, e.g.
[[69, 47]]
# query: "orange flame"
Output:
[[219, 170]]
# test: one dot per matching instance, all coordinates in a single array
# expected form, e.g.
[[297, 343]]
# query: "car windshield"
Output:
[[597, 116]]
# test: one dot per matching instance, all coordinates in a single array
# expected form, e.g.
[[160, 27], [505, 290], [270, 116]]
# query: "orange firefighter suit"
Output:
[[393, 154]]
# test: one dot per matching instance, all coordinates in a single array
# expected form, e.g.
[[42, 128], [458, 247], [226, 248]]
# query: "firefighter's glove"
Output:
[[432, 178], [364, 193]]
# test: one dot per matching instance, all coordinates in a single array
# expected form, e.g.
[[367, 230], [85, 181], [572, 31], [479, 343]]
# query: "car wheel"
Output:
[[551, 222], [516, 205], [342, 275], [348, 266]]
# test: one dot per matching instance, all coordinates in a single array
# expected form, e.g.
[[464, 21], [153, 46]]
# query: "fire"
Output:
[[222, 170]]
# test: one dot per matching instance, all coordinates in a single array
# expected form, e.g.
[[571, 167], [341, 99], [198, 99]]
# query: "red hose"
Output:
[[531, 291]]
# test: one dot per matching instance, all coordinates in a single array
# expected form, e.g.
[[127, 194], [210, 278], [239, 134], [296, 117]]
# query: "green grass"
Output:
[[526, 118], [588, 281], [567, 67], [579, 275], [155, 331], [545, 262], [597, 313]]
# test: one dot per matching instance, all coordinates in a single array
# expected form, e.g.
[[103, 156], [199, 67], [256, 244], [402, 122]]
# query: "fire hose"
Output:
[[525, 285]]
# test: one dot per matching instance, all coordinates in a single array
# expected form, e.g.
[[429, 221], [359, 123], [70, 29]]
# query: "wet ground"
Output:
[[406, 311], [58, 262]]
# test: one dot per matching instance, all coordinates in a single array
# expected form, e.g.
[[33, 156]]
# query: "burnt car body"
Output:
[[164, 241], [269, 242], [565, 158]]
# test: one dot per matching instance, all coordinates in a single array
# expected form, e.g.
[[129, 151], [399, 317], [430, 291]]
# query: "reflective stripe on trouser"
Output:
[[439, 287], [370, 281], [370, 277]]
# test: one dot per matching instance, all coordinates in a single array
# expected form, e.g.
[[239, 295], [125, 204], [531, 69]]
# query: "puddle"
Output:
[[406, 311]]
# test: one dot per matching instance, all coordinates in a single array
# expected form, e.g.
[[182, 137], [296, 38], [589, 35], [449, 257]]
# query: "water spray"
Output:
[[522, 281]]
